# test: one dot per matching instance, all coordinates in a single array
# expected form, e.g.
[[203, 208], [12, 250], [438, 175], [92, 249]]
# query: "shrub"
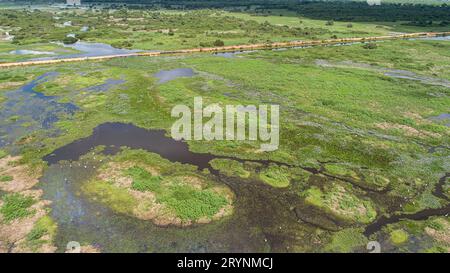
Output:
[[203, 44], [69, 40], [218, 43], [329, 23]]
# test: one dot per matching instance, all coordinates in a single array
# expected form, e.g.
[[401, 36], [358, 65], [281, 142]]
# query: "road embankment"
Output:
[[260, 46]]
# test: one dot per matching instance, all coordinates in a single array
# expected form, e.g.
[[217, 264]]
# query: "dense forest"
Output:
[[418, 14], [330, 10]]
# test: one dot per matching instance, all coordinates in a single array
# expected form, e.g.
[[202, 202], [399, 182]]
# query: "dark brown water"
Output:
[[115, 135]]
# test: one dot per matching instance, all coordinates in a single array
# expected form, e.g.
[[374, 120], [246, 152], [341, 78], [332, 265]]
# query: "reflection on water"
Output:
[[30, 52], [232, 54], [393, 73], [169, 75], [445, 118], [90, 50], [408, 75], [26, 110], [115, 135], [438, 38]]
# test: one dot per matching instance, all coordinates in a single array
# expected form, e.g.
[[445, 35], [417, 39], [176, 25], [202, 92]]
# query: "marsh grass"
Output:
[[143, 180], [342, 203], [6, 178], [16, 206], [230, 167], [275, 176]]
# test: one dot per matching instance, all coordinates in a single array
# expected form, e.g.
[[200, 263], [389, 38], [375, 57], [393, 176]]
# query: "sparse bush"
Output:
[[6, 178], [370, 46]]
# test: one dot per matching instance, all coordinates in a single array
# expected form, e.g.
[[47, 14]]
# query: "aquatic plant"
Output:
[[16, 206]]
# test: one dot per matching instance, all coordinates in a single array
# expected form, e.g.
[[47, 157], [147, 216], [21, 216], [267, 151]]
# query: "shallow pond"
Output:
[[393, 73], [26, 111], [439, 38], [232, 54], [408, 75], [169, 75], [90, 50], [445, 118]]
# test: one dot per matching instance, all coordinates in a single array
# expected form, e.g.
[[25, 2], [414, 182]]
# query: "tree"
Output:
[[70, 40]]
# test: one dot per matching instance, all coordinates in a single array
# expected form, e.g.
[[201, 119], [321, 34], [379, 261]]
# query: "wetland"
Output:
[[86, 152]]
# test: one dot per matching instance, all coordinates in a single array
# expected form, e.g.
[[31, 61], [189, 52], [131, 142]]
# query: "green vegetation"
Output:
[[143, 180], [187, 202], [6, 178], [144, 29], [230, 167], [347, 240], [432, 235], [118, 199], [342, 203], [370, 46], [180, 190], [43, 227], [363, 142], [399, 237], [191, 204], [275, 176], [69, 40], [16, 206]]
